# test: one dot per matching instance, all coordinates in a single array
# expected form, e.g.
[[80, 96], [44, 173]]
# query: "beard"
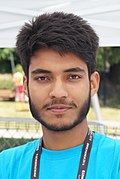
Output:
[[83, 111]]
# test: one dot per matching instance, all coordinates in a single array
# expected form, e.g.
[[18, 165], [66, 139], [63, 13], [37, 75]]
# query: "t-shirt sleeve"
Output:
[[2, 165], [119, 167], [5, 162], [118, 158]]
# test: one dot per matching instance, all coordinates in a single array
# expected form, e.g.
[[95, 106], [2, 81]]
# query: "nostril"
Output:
[[58, 93]]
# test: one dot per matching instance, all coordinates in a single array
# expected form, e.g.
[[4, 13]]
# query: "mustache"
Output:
[[58, 102]]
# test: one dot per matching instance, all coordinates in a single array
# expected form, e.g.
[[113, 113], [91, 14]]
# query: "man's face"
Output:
[[58, 89]]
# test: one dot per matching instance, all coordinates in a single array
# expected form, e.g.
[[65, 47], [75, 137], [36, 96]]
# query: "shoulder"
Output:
[[107, 143], [15, 158], [18, 151]]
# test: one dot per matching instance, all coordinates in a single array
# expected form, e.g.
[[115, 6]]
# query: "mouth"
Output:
[[59, 109]]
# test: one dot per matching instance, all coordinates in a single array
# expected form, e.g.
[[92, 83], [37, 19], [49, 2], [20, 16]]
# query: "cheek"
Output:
[[79, 93], [38, 94], [79, 90]]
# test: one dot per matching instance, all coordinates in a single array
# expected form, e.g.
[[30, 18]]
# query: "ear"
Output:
[[25, 86], [94, 81]]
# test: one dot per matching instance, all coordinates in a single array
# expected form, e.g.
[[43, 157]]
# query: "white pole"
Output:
[[96, 106]]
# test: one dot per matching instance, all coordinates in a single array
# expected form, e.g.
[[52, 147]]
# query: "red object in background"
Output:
[[19, 89]]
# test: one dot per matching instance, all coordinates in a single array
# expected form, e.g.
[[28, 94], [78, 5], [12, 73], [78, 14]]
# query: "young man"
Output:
[[58, 52]]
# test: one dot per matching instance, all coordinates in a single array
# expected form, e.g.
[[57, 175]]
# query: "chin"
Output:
[[59, 125]]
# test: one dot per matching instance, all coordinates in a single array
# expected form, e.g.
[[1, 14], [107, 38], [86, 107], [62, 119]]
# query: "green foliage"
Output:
[[6, 143], [5, 53], [19, 68], [100, 59], [6, 56], [6, 82], [111, 55], [5, 66], [114, 55]]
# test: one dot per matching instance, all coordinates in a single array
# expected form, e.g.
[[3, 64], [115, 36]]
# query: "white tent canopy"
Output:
[[103, 15]]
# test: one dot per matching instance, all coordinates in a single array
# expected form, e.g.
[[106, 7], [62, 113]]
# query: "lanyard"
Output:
[[83, 161]]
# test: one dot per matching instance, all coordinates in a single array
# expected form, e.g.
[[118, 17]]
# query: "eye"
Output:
[[42, 78], [73, 76]]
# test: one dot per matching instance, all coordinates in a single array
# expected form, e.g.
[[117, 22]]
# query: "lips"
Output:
[[59, 109]]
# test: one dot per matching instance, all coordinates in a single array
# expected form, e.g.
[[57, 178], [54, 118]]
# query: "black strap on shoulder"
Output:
[[85, 155], [36, 162]]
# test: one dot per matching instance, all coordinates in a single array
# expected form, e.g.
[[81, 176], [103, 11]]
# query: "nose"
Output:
[[58, 90]]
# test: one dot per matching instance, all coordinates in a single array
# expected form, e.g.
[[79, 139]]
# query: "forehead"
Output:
[[53, 61]]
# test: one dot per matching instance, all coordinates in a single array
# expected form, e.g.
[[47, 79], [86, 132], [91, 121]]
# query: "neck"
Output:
[[53, 140]]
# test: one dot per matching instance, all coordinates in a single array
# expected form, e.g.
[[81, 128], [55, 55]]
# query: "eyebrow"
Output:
[[75, 69], [37, 71]]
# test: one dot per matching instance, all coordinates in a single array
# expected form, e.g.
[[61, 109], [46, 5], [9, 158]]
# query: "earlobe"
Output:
[[94, 80], [25, 87]]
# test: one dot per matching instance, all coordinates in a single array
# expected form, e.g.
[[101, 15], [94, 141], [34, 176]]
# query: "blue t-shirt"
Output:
[[104, 162]]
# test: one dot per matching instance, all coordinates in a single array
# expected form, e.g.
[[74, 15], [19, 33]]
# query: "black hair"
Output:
[[61, 32]]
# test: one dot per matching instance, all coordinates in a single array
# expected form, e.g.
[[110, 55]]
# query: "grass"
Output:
[[8, 109], [6, 82], [107, 114]]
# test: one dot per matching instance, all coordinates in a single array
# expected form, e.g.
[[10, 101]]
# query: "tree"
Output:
[[8, 59], [108, 59]]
